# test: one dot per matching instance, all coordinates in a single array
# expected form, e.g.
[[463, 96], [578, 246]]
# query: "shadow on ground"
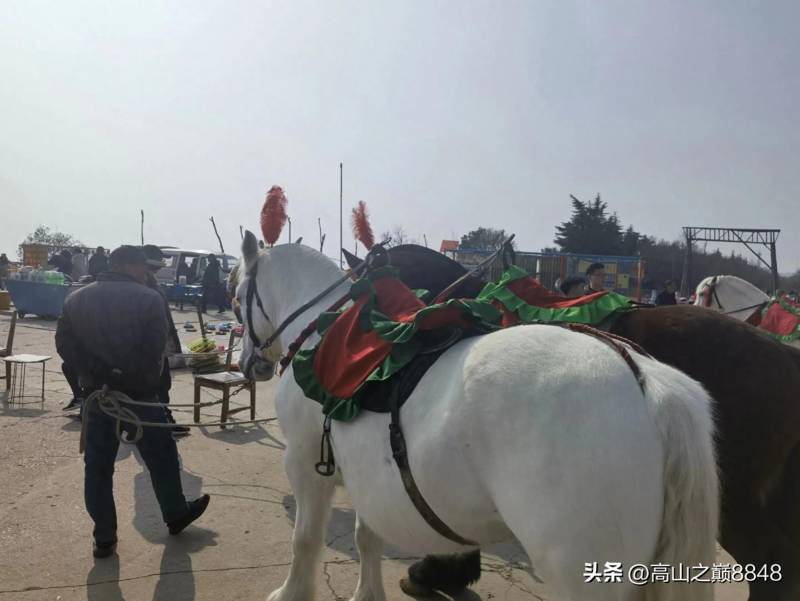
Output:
[[235, 434], [102, 582]]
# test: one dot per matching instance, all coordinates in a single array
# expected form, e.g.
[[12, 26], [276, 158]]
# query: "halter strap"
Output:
[[252, 293]]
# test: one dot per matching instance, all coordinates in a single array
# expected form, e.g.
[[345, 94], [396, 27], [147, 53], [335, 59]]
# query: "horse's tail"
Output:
[[682, 411]]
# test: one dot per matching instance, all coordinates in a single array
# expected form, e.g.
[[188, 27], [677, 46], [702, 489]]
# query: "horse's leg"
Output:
[[783, 507], [370, 580], [313, 494], [751, 536]]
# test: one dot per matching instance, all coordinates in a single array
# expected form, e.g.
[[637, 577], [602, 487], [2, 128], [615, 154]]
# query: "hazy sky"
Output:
[[448, 115]]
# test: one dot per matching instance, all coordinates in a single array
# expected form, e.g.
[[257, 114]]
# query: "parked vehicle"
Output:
[[191, 264]]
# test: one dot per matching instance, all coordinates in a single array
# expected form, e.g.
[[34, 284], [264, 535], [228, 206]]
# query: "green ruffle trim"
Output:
[[592, 313], [402, 336], [785, 338]]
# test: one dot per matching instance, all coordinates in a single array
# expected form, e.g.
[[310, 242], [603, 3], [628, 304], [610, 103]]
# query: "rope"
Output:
[[109, 402]]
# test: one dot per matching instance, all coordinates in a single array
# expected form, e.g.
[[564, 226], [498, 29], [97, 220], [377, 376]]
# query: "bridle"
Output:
[[252, 293], [711, 291]]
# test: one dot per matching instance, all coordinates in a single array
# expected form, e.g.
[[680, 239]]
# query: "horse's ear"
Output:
[[352, 260], [249, 248]]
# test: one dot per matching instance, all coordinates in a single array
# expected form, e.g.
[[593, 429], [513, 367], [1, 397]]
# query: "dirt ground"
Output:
[[240, 548]]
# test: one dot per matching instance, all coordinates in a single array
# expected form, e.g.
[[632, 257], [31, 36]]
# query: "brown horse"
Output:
[[755, 383]]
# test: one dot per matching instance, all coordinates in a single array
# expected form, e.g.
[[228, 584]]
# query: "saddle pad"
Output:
[[376, 337], [781, 319], [522, 299]]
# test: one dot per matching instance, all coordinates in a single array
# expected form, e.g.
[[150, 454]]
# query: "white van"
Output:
[[192, 264]]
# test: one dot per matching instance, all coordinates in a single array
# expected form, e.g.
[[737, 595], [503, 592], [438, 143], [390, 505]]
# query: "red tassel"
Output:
[[273, 215], [362, 230]]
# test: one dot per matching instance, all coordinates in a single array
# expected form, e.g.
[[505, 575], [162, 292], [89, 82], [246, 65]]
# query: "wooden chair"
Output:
[[224, 381], [6, 351]]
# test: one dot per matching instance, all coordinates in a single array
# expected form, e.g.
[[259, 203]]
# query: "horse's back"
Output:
[[534, 425]]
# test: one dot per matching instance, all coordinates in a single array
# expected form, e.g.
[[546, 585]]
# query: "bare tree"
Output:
[[397, 236]]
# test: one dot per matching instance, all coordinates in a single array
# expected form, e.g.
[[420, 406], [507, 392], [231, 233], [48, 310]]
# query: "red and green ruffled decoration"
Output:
[[780, 319], [378, 334], [522, 299], [374, 338]]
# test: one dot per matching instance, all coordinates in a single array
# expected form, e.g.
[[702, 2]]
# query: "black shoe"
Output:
[[75, 403], [196, 509], [101, 551]]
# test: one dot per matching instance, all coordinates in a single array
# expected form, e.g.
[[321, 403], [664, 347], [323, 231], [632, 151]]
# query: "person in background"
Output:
[[155, 261], [99, 262], [114, 332], [4, 263], [62, 262], [183, 270], [667, 295], [596, 274], [574, 286], [80, 266], [212, 288]]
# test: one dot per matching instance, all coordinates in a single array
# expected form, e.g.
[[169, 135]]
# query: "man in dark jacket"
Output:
[[114, 332], [99, 262], [667, 295], [212, 288]]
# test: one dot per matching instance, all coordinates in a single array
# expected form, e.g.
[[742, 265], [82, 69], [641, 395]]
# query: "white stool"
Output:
[[17, 365]]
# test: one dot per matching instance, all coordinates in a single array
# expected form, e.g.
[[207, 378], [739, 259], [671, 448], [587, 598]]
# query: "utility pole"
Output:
[[142, 228], [341, 227]]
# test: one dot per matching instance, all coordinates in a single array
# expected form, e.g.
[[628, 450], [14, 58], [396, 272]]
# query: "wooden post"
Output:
[[142, 228], [221, 249]]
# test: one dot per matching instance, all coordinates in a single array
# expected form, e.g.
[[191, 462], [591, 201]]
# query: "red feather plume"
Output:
[[273, 215], [362, 230]]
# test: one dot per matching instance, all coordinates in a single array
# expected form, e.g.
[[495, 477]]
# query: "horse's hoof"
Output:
[[412, 589]]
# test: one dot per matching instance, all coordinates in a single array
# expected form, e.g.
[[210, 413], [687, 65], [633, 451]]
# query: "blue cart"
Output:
[[38, 298]]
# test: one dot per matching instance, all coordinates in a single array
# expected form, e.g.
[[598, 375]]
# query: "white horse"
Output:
[[730, 295], [533, 431]]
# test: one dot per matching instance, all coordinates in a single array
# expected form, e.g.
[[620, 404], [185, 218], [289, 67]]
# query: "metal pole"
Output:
[[341, 228], [774, 259], [686, 277]]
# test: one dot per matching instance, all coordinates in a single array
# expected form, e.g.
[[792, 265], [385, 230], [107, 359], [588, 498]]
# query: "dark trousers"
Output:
[[164, 386], [160, 455], [215, 295], [72, 379]]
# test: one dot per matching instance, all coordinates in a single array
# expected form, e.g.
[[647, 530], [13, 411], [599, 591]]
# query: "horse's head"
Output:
[[259, 354]]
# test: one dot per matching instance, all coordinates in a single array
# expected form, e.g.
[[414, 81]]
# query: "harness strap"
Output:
[[252, 290], [399, 451], [757, 306], [618, 343]]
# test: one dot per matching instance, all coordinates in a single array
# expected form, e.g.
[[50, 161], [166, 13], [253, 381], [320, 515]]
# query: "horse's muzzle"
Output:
[[258, 369]]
